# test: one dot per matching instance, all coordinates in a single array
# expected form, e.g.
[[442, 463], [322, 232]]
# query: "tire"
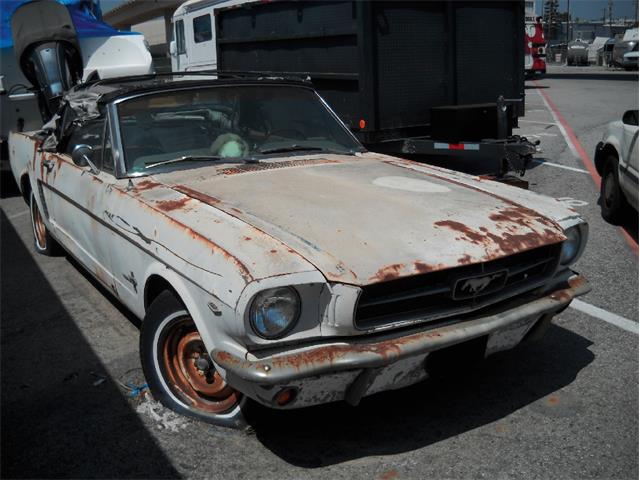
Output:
[[170, 349], [614, 205], [42, 240]]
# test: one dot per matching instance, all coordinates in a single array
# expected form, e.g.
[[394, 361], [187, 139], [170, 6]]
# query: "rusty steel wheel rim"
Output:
[[39, 228], [190, 372]]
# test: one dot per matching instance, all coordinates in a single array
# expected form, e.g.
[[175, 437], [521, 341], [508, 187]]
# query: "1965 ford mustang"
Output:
[[270, 256]]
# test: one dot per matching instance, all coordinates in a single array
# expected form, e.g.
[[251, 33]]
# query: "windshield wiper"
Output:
[[185, 158], [301, 148]]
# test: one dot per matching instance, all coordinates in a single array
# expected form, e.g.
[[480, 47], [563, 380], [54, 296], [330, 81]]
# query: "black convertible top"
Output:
[[104, 91], [87, 98]]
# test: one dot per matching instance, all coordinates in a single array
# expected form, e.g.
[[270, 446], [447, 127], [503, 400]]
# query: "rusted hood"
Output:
[[373, 218]]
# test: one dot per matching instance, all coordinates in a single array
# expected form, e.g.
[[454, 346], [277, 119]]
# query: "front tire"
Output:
[[614, 205], [42, 240], [178, 369]]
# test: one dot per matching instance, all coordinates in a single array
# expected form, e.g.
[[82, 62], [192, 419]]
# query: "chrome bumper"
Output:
[[358, 354]]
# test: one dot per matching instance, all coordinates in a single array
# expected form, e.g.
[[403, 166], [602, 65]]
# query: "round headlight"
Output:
[[274, 312], [571, 246]]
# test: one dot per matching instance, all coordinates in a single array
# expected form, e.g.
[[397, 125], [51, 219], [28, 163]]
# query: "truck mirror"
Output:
[[630, 117], [172, 48]]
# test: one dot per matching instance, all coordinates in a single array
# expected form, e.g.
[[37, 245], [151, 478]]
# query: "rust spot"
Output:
[[273, 251], [226, 357], [389, 475], [577, 282], [143, 185], [561, 296], [470, 234], [553, 400], [236, 211], [390, 272], [422, 267], [170, 205], [246, 239], [207, 199], [329, 354], [464, 259]]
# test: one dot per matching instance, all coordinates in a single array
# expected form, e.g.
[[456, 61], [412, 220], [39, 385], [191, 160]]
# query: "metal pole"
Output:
[[567, 54], [568, 22]]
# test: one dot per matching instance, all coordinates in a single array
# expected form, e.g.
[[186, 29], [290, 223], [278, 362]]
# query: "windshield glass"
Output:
[[228, 122]]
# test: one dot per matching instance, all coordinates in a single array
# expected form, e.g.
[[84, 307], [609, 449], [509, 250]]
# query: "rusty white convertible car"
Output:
[[271, 257]]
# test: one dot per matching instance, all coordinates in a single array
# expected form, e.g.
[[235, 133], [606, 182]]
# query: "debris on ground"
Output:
[[163, 417]]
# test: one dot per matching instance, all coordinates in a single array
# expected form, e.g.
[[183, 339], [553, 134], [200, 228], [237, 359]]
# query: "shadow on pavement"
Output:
[[55, 422], [8, 186], [420, 415], [631, 227]]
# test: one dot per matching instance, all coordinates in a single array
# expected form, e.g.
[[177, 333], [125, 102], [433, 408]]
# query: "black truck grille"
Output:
[[456, 290]]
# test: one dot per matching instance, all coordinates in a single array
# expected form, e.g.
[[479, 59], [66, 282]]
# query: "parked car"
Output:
[[270, 256], [630, 59], [616, 160]]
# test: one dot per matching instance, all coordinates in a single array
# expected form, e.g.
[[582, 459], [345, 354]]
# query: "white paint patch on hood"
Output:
[[410, 185]]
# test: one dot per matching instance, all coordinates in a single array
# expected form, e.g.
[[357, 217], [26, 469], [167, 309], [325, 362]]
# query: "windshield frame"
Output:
[[121, 168]]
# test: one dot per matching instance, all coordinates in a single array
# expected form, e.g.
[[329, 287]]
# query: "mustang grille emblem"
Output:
[[470, 287]]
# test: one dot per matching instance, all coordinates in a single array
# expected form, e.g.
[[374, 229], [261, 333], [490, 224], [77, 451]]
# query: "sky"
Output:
[[592, 9], [584, 9]]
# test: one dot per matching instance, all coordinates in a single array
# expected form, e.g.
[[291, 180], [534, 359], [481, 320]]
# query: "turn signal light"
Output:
[[286, 396]]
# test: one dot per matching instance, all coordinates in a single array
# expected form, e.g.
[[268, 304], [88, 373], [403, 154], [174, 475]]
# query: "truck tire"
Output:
[[42, 240], [613, 203], [178, 369]]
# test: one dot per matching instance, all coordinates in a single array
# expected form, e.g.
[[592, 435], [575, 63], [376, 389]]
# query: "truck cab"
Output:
[[194, 35]]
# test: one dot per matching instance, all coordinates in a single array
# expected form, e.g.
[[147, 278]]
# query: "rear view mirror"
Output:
[[630, 117], [81, 156]]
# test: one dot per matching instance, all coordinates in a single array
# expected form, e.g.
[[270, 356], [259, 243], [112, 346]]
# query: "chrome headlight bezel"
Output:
[[257, 316], [573, 246]]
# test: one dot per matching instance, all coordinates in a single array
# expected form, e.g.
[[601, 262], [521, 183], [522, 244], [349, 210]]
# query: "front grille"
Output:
[[431, 296]]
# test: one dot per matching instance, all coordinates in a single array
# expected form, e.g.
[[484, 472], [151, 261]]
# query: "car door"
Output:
[[180, 60], [74, 197], [629, 168], [202, 45]]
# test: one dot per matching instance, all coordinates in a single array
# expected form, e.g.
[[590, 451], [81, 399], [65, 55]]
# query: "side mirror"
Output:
[[630, 117], [81, 156], [172, 48]]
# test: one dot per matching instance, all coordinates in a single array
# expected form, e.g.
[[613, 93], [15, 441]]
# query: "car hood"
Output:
[[370, 218]]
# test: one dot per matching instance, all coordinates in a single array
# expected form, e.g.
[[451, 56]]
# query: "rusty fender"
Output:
[[323, 359]]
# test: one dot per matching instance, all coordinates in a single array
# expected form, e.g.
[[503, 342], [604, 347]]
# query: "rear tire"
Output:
[[614, 204], [42, 240], [178, 369]]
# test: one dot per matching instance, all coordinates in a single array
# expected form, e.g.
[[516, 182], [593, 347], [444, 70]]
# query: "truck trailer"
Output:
[[440, 78]]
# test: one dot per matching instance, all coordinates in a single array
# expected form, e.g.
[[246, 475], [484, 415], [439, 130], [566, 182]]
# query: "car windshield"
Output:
[[227, 123]]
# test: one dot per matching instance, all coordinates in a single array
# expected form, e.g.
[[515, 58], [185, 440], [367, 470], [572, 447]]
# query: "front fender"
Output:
[[212, 326]]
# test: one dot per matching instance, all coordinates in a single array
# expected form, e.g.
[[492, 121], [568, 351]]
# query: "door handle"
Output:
[[48, 164]]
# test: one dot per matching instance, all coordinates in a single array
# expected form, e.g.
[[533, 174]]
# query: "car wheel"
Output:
[[42, 240], [178, 369], [613, 203]]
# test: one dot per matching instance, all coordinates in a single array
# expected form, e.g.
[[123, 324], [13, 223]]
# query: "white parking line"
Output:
[[560, 126], [605, 315], [557, 165]]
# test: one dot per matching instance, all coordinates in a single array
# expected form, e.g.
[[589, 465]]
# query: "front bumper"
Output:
[[353, 367]]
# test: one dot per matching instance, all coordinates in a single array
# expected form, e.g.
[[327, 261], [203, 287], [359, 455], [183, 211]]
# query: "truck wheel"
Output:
[[178, 369], [42, 240], [613, 203]]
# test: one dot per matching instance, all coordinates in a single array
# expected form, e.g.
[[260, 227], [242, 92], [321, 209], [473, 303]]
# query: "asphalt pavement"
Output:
[[564, 407]]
